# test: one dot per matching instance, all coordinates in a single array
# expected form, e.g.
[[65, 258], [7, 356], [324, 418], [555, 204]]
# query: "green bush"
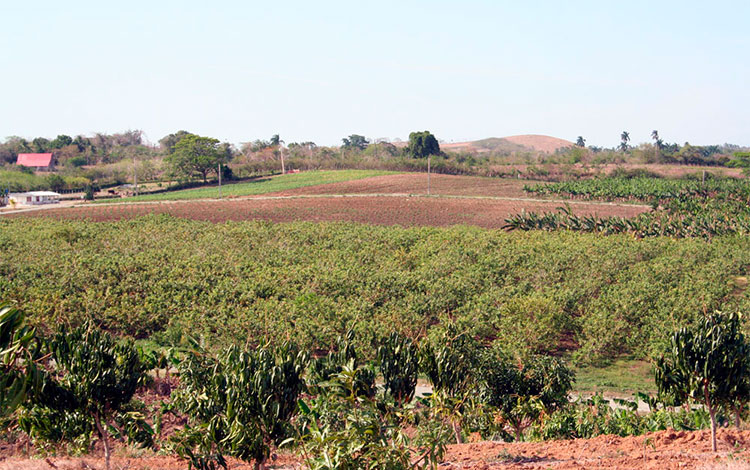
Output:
[[238, 404], [89, 391]]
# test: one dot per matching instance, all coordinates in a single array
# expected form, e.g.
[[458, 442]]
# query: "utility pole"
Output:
[[219, 173], [135, 177], [281, 152]]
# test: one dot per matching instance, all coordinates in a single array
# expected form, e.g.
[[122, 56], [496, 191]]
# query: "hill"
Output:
[[514, 143]]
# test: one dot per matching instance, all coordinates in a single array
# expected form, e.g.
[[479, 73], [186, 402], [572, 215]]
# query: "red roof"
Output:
[[34, 159]]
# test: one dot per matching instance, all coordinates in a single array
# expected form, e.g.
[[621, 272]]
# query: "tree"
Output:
[[581, 142], [40, 144], [708, 363], [169, 142], [422, 144], [92, 380], [55, 182], [355, 141], [625, 138], [238, 404], [197, 155], [61, 141], [521, 392], [658, 142]]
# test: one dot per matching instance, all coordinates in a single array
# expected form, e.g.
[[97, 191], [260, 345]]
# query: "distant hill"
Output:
[[514, 143]]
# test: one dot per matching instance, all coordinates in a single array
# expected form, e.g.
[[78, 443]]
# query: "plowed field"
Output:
[[380, 210], [416, 183]]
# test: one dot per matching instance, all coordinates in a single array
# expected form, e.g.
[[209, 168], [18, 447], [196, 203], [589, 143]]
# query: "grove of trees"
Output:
[[78, 385]]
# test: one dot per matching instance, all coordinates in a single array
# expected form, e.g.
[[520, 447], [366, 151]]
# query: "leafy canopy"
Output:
[[422, 144], [196, 155]]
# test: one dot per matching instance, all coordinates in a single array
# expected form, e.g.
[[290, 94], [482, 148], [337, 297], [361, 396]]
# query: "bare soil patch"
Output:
[[662, 450], [416, 183], [379, 210], [665, 450]]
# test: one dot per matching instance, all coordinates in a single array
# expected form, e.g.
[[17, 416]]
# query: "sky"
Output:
[[319, 71]]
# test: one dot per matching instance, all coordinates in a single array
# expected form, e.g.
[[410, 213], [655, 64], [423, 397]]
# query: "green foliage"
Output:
[[238, 404], [88, 192], [324, 368], [342, 429], [92, 380], [19, 351], [709, 363], [422, 144], [18, 180], [521, 392], [196, 155], [77, 161], [449, 362], [689, 207], [596, 416], [355, 141], [261, 185], [162, 277], [398, 358], [55, 182], [169, 142]]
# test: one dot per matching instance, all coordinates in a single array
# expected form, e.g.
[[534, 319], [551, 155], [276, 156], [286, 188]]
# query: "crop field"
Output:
[[681, 208], [252, 295], [260, 186], [594, 296], [379, 210], [416, 183]]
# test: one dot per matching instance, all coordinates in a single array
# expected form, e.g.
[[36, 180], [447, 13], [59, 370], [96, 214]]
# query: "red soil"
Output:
[[416, 183], [664, 450], [379, 210]]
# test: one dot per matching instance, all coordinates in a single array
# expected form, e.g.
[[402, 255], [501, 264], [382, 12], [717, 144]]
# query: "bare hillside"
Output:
[[515, 143]]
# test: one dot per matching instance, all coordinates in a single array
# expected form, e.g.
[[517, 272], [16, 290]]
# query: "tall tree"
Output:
[[624, 138], [194, 154], [657, 142], [422, 144], [168, 142], [581, 142], [355, 141]]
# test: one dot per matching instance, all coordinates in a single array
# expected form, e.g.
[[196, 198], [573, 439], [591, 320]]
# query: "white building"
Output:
[[34, 198]]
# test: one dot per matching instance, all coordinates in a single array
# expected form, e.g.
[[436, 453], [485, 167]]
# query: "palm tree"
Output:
[[581, 142], [625, 137], [658, 142]]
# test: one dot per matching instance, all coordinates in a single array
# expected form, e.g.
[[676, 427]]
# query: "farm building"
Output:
[[37, 161], [35, 198]]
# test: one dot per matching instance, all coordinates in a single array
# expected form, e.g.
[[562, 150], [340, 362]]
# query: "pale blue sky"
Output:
[[321, 70]]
